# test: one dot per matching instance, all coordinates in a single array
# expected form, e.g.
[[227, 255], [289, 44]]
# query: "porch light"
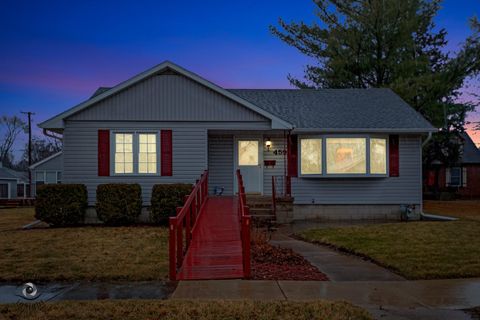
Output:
[[268, 144]]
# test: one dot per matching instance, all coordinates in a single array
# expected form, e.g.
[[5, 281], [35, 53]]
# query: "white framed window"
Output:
[[248, 152], [123, 153], [346, 155], [147, 153], [378, 156], [39, 178], [135, 153], [455, 177], [343, 156], [311, 156]]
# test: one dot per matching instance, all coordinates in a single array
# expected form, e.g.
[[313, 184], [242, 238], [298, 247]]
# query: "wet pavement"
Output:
[[425, 299], [12, 293]]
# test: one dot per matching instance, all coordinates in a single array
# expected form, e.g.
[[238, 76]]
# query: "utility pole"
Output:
[[29, 114]]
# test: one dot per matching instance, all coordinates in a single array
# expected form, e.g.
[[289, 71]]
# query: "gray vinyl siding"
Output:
[[405, 189], [168, 98], [220, 163], [52, 165], [81, 156], [12, 186], [55, 164], [278, 143]]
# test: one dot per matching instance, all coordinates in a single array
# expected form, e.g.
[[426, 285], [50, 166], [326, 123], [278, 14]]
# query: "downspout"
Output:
[[428, 139], [424, 216]]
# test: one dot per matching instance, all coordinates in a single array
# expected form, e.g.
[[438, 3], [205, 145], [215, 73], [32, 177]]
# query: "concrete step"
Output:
[[260, 211]]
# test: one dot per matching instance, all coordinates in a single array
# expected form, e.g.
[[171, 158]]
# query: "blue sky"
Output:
[[54, 54]]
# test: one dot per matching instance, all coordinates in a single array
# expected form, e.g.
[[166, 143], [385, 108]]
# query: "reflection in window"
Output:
[[147, 155], [378, 156], [311, 156], [248, 153], [123, 153], [346, 155]]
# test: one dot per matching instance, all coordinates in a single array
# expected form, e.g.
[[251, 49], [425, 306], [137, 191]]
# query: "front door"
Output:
[[249, 160]]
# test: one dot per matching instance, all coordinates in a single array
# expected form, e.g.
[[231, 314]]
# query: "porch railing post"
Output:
[[172, 248], [246, 241], [179, 240]]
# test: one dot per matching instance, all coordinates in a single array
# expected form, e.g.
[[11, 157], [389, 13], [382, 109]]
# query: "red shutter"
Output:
[[394, 156], [292, 146], [167, 154], [103, 152]]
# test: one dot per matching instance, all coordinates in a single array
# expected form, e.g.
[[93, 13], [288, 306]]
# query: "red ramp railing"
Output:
[[181, 226], [245, 219]]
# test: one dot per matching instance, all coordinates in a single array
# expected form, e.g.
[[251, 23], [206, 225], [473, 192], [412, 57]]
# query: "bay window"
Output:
[[346, 155], [135, 153], [378, 156], [311, 155], [337, 156]]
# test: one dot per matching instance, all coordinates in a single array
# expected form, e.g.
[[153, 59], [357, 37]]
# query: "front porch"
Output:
[[260, 155]]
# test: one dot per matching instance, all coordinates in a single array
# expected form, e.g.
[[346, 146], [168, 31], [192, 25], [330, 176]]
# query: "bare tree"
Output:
[[10, 128]]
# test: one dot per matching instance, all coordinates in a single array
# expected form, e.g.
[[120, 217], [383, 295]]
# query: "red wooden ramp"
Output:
[[216, 248], [210, 237]]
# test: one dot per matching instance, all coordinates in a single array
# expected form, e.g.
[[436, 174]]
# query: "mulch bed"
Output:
[[275, 263]]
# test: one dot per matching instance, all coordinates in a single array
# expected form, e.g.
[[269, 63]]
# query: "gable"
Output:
[[167, 97], [54, 163]]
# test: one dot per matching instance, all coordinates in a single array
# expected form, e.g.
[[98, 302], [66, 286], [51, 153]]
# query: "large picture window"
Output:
[[311, 157], [346, 155], [325, 156]]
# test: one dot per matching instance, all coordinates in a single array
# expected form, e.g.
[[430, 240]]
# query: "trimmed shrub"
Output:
[[165, 199], [61, 204], [119, 203]]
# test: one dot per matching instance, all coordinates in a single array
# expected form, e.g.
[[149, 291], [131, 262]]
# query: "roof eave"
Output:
[[365, 130]]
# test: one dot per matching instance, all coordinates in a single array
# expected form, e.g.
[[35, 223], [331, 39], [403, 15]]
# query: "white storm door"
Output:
[[249, 161]]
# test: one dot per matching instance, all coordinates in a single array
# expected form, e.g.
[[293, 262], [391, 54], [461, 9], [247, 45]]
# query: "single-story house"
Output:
[[463, 178], [353, 153], [13, 184], [47, 171]]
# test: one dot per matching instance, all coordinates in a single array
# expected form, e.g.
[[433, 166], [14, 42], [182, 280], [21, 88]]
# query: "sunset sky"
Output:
[[54, 54]]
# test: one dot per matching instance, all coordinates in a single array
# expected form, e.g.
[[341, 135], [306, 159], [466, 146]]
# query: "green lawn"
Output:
[[165, 310], [83, 253], [416, 250]]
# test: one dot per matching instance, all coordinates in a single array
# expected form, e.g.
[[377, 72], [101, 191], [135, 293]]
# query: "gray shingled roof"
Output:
[[471, 154], [334, 108], [337, 108], [7, 173]]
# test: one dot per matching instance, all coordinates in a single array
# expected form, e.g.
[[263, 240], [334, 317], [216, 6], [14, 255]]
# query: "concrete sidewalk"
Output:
[[337, 266], [426, 299]]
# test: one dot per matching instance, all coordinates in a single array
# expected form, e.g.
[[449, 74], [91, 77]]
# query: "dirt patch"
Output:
[[275, 263]]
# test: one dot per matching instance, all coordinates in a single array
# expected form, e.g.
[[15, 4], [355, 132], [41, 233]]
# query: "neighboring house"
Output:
[[47, 171], [463, 178], [347, 153], [13, 184]]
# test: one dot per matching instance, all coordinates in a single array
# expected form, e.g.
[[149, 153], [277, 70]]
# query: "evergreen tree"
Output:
[[394, 44]]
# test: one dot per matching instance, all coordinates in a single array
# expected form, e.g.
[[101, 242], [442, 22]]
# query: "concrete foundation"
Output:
[[351, 212]]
